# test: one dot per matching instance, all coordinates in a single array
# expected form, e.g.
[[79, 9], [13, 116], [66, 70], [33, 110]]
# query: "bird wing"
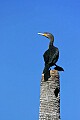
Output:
[[46, 56], [54, 56], [51, 55]]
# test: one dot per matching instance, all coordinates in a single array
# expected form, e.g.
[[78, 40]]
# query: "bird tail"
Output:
[[46, 72], [58, 68]]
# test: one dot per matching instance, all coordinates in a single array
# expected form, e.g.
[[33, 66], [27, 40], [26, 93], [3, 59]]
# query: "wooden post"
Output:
[[50, 97]]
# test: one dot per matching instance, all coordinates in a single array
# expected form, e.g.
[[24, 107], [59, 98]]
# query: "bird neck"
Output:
[[50, 44]]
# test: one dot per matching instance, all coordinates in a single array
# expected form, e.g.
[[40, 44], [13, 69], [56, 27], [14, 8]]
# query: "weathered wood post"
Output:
[[50, 97]]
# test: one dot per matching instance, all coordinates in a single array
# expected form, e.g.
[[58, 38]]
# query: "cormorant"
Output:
[[51, 55]]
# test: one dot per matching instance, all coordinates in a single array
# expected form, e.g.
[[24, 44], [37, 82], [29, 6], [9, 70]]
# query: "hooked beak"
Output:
[[43, 34]]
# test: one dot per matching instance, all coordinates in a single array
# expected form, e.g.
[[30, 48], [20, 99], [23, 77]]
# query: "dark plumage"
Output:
[[51, 55]]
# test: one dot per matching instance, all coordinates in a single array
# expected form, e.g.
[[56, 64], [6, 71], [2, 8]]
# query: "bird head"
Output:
[[47, 35]]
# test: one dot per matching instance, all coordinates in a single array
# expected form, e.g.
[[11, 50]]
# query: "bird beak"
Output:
[[43, 34]]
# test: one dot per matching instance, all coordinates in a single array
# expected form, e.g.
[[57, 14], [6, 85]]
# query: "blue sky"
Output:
[[21, 60]]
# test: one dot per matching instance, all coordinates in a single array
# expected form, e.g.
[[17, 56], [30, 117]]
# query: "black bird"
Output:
[[51, 55]]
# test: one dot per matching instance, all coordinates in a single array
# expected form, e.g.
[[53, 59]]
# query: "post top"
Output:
[[53, 73]]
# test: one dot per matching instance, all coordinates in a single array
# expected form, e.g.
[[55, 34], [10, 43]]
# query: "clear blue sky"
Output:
[[21, 60]]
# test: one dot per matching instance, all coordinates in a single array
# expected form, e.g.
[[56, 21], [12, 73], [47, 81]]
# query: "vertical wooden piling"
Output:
[[50, 97]]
